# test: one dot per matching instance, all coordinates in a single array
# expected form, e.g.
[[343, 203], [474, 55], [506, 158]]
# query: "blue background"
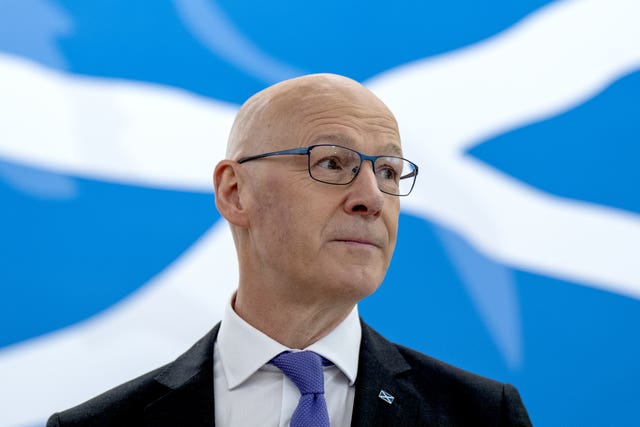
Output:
[[576, 350]]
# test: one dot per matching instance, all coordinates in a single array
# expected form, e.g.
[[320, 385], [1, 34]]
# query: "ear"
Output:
[[226, 185]]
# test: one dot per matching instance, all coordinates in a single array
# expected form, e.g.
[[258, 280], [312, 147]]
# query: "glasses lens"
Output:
[[333, 164], [395, 175]]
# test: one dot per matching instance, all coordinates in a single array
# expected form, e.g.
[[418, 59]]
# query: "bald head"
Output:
[[270, 118]]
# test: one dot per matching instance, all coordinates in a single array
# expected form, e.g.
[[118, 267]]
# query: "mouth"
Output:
[[358, 242]]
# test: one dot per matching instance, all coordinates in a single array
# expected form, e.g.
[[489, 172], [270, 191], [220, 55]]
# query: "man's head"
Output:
[[299, 239]]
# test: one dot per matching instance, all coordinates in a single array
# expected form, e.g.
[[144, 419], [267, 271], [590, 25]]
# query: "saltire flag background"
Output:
[[519, 250]]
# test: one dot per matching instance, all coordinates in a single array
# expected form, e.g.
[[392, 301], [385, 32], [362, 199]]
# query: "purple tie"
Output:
[[304, 369]]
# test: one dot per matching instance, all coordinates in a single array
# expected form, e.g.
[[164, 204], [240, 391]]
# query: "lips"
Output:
[[359, 235], [359, 240]]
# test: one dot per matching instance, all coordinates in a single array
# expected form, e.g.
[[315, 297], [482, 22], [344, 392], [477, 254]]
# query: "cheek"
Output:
[[278, 220], [393, 235], [271, 216], [391, 223]]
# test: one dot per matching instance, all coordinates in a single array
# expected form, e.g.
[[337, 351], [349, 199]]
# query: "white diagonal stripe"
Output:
[[553, 60], [120, 131]]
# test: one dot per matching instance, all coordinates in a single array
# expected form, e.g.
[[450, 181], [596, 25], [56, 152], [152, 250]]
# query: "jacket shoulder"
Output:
[[122, 405], [434, 372], [446, 394], [467, 395], [440, 371], [128, 404]]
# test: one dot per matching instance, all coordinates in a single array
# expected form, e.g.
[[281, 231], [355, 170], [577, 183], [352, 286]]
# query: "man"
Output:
[[311, 190]]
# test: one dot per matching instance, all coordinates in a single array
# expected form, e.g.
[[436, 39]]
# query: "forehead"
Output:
[[386, 147], [352, 118], [302, 111]]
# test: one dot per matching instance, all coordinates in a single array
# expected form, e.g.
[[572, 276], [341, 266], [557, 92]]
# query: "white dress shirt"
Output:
[[250, 392]]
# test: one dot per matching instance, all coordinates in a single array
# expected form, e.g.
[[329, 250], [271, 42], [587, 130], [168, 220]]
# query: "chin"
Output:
[[359, 284]]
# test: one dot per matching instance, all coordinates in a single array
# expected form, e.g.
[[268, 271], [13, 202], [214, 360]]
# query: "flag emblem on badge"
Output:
[[386, 397]]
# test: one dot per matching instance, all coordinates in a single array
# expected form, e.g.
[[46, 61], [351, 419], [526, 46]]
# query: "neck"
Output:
[[293, 324]]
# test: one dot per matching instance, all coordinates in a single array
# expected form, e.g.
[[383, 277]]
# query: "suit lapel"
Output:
[[190, 399], [382, 370]]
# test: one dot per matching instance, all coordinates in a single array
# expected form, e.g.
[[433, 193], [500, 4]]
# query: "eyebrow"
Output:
[[390, 148]]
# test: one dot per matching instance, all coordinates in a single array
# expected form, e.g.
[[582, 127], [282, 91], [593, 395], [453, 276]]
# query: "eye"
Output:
[[388, 169], [387, 173], [331, 163]]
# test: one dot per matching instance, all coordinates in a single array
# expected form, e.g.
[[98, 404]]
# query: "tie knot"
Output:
[[303, 368]]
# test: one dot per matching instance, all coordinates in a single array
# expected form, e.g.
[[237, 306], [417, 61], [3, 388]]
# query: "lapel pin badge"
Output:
[[386, 397]]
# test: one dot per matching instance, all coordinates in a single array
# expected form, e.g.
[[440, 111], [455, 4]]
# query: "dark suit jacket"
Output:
[[426, 392]]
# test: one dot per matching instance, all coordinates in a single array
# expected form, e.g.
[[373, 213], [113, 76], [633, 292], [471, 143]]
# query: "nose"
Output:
[[364, 196]]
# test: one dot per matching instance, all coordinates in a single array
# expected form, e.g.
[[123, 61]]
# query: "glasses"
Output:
[[337, 165]]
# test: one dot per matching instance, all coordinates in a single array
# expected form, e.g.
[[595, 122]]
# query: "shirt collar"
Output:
[[244, 349]]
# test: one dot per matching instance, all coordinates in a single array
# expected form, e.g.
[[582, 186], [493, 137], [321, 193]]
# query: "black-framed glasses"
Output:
[[338, 165]]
